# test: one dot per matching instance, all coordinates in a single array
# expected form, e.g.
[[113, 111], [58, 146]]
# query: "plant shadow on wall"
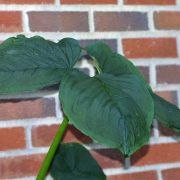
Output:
[[115, 107]]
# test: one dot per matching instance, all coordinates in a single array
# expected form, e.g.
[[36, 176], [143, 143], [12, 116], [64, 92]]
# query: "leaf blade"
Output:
[[27, 64], [165, 112], [73, 162], [108, 98]]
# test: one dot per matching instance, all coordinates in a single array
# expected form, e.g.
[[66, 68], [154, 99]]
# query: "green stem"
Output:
[[48, 159]]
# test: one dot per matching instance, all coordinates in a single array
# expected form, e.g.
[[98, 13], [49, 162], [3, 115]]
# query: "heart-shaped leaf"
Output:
[[27, 64], [73, 162], [114, 110], [109, 62]]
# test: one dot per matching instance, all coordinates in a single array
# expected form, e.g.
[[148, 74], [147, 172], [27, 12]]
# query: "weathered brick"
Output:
[[88, 1], [12, 138], [171, 174], [167, 20], [168, 74], [120, 21], [170, 96], [10, 21], [157, 154], [26, 1], [151, 2], [108, 158], [149, 175], [145, 71], [58, 21], [43, 135], [150, 47], [111, 42], [29, 108], [20, 166]]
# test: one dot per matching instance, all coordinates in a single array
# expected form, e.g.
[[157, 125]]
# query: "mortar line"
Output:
[[152, 75], [177, 2], [134, 169], [156, 130], [29, 122], [120, 46], [28, 137], [120, 3], [98, 35], [52, 7], [91, 20], [151, 20], [127, 163], [25, 22], [178, 45], [58, 111], [57, 3], [159, 175]]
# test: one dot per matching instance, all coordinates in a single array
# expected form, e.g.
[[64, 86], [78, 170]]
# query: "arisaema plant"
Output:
[[115, 107]]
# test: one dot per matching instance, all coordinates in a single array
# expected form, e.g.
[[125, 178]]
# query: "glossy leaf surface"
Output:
[[73, 162], [167, 114], [27, 64], [114, 110], [110, 62]]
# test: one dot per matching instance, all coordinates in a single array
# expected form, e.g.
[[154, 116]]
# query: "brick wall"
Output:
[[146, 31]]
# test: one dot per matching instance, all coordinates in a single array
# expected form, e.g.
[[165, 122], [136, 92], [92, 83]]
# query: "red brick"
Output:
[[10, 21], [108, 158], [168, 20], [168, 74], [20, 166], [171, 174], [43, 135], [150, 47], [151, 2], [145, 71], [170, 96], [58, 21], [88, 1], [157, 154], [12, 138], [26, 1], [120, 21], [29, 108], [149, 175]]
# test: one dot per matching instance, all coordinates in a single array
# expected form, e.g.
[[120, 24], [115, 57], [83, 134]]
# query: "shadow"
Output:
[[113, 154], [74, 135], [108, 158], [137, 156], [2, 101], [167, 132]]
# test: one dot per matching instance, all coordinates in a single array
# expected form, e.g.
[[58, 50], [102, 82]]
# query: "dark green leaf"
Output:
[[110, 62], [73, 162], [27, 64], [167, 113], [114, 110]]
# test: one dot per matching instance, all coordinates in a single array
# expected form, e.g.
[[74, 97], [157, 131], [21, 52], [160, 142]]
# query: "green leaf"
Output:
[[73, 162], [167, 113], [109, 62], [114, 110], [27, 64]]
